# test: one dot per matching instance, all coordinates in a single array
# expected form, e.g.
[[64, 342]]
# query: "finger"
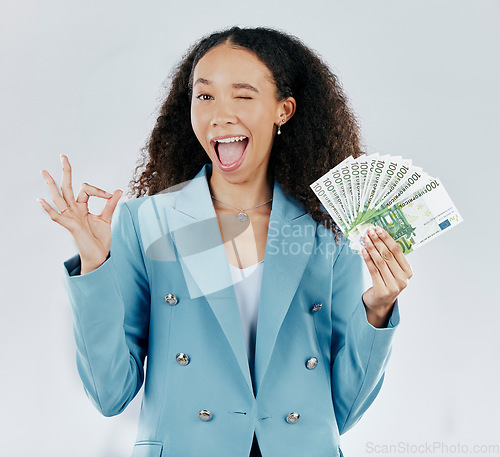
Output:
[[377, 280], [394, 277], [378, 260], [386, 254], [58, 200], [54, 215], [381, 247], [396, 251], [66, 186], [110, 206], [87, 191]]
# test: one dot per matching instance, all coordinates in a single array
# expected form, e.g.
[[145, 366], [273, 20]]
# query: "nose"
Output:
[[223, 114]]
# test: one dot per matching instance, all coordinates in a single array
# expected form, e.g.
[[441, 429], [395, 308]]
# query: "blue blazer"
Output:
[[166, 290]]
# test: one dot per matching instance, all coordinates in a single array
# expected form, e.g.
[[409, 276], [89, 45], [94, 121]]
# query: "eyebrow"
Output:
[[202, 81], [235, 85], [245, 86]]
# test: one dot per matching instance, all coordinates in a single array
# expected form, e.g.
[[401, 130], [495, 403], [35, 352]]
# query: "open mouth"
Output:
[[230, 151]]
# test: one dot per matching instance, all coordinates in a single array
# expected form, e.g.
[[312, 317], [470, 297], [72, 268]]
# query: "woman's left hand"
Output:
[[390, 272]]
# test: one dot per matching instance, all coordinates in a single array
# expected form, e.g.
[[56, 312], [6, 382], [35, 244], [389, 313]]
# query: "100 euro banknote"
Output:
[[414, 220], [389, 192]]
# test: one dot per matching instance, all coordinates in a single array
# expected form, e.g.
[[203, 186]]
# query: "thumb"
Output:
[[110, 206]]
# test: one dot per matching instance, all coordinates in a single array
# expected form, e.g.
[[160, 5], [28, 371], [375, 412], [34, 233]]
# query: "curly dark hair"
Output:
[[322, 132]]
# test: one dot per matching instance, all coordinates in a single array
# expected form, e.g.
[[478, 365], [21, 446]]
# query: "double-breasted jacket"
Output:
[[165, 293]]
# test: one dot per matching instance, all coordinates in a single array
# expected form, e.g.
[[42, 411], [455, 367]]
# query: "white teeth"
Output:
[[232, 139]]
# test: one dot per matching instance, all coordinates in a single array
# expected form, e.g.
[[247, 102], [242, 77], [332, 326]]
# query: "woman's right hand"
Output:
[[91, 232]]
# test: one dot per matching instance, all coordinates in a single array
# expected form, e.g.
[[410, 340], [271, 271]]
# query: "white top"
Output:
[[247, 283]]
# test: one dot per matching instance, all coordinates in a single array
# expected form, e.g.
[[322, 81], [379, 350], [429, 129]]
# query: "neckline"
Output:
[[246, 268]]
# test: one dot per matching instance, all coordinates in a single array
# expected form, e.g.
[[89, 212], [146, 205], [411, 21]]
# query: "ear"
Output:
[[286, 109]]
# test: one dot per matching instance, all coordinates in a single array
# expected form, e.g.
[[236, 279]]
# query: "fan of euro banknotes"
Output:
[[390, 192]]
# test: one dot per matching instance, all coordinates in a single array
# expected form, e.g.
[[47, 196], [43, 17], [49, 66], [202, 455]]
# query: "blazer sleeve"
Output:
[[359, 351], [110, 308]]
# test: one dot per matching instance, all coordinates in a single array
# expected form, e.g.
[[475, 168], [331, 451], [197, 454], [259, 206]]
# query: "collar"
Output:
[[195, 200]]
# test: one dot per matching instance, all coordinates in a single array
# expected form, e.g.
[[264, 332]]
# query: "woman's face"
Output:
[[234, 112]]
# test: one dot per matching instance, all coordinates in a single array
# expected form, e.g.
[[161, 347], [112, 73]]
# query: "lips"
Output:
[[229, 151]]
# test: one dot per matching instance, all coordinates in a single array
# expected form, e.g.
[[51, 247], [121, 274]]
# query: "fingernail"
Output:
[[379, 230], [371, 231]]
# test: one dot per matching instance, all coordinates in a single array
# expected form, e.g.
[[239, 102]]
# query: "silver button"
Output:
[[316, 307], [293, 418], [205, 415], [171, 299], [312, 363], [182, 359]]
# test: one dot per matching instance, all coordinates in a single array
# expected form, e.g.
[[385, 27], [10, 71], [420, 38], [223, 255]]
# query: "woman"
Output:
[[226, 272]]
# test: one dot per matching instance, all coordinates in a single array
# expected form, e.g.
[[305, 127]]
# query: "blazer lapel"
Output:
[[196, 235], [290, 241]]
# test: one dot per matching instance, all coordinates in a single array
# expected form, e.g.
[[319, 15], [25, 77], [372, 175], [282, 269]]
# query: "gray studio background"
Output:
[[84, 78]]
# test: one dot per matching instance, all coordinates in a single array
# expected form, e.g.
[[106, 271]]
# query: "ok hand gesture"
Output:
[[91, 232]]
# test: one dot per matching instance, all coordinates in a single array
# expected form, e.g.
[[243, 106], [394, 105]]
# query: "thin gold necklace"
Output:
[[242, 215]]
